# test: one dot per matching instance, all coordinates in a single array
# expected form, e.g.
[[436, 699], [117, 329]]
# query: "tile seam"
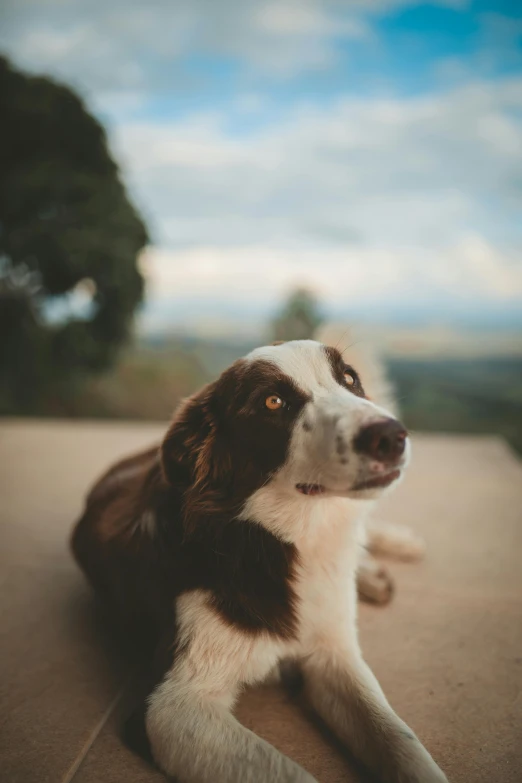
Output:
[[70, 774]]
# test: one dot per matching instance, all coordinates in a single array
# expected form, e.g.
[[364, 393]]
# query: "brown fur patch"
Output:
[[339, 368]]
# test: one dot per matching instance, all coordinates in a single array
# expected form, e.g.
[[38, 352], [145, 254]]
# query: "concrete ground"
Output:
[[448, 651]]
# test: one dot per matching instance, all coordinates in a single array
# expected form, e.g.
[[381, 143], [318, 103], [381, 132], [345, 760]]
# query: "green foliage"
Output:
[[454, 395], [145, 384], [65, 219], [299, 317]]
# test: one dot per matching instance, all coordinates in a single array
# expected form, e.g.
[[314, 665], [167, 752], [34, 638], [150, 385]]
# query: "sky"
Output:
[[368, 149]]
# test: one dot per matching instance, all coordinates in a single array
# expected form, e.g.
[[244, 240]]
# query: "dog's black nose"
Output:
[[383, 440]]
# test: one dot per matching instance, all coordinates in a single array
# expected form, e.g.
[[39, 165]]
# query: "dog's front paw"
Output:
[[432, 775], [416, 766]]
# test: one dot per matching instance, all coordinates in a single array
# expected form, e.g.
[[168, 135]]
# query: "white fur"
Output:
[[189, 720], [395, 541], [374, 584]]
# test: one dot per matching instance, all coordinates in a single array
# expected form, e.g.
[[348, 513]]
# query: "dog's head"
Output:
[[293, 414]]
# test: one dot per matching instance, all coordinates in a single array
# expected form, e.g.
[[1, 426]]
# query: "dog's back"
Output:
[[112, 545]]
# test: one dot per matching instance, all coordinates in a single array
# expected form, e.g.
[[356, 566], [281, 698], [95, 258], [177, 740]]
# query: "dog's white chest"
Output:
[[325, 583]]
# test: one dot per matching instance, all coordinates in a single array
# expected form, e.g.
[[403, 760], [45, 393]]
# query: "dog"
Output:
[[234, 546], [381, 539]]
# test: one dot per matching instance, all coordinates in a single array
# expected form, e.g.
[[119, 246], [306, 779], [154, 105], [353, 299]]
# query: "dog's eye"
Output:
[[349, 378], [273, 403]]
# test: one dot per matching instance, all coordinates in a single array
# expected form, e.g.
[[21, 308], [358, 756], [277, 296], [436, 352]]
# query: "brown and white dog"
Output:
[[234, 546]]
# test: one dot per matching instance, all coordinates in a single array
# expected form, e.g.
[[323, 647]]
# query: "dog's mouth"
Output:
[[310, 489], [375, 482], [378, 481]]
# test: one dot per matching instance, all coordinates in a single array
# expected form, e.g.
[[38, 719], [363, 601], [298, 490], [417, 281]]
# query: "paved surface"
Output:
[[448, 652]]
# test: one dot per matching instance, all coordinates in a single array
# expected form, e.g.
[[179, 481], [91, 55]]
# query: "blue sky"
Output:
[[371, 149]]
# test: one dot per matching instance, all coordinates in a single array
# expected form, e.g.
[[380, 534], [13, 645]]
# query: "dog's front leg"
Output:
[[196, 739], [348, 697], [193, 734]]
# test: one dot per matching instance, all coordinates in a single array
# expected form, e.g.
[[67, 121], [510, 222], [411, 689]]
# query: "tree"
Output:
[[66, 226], [299, 317]]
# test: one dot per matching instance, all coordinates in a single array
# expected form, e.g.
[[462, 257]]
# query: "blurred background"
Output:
[[181, 181]]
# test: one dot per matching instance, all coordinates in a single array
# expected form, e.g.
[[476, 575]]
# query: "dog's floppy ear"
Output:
[[194, 452], [186, 451]]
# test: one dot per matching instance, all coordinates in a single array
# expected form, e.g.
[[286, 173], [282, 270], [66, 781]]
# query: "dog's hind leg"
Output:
[[395, 541]]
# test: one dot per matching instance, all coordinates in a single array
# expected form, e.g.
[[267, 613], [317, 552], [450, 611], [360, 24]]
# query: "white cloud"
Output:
[[102, 46], [369, 198], [410, 171], [486, 270], [472, 268]]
